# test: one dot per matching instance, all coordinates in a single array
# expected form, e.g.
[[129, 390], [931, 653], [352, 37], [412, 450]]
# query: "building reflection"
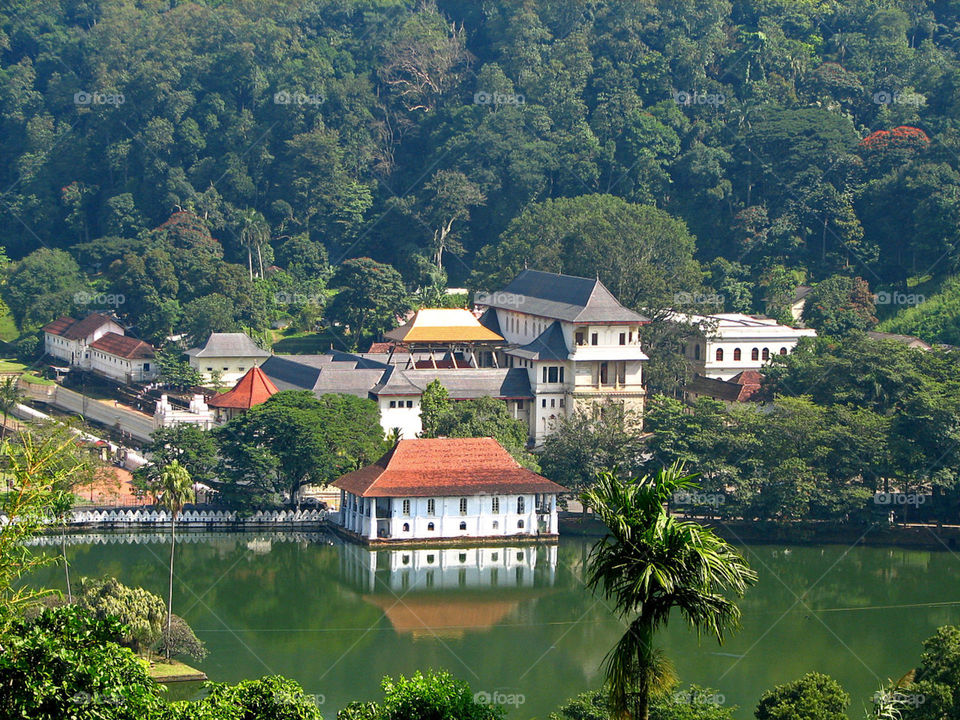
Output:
[[449, 591]]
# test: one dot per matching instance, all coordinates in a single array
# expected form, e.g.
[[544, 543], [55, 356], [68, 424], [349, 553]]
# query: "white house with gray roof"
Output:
[[577, 343], [230, 354]]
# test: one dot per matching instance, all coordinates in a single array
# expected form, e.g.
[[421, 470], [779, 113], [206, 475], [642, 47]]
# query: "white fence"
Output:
[[161, 537], [122, 518]]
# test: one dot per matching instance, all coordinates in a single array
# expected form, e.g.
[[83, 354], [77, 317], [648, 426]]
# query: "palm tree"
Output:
[[254, 233], [10, 397], [174, 490], [650, 563]]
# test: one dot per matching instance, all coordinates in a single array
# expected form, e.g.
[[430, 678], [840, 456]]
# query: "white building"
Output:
[[578, 344], [199, 414], [123, 358], [724, 345], [230, 354], [69, 339], [444, 488]]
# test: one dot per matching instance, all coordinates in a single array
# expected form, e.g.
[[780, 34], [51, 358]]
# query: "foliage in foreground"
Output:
[[435, 695]]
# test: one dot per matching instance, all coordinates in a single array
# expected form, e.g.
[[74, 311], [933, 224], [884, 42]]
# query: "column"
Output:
[[553, 526], [373, 518]]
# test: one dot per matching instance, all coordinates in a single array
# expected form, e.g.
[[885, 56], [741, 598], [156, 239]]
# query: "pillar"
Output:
[[373, 518]]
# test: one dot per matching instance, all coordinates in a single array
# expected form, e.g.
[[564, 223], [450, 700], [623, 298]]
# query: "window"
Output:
[[520, 556], [594, 339], [463, 506], [431, 507], [520, 505], [406, 507], [463, 526], [545, 375], [736, 354], [543, 403], [554, 374], [519, 404], [604, 375], [495, 506], [209, 369], [496, 525], [719, 354], [520, 524], [463, 556], [561, 402], [623, 338], [393, 403], [406, 528], [783, 351], [430, 559], [766, 353], [495, 557], [429, 529], [580, 339], [409, 403], [226, 368], [405, 559], [553, 402], [429, 578], [755, 354], [146, 366], [696, 351], [631, 336], [241, 368], [561, 374]]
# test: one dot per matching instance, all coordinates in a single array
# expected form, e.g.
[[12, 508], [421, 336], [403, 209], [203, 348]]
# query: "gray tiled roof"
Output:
[[228, 345], [549, 345], [560, 297], [464, 384], [289, 374]]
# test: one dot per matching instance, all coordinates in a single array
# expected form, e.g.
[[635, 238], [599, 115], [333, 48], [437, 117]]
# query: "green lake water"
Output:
[[518, 621]]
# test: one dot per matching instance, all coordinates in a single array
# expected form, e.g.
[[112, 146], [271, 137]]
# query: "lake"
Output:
[[518, 622]]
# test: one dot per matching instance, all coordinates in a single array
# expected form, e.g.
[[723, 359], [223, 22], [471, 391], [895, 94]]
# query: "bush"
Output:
[[181, 640]]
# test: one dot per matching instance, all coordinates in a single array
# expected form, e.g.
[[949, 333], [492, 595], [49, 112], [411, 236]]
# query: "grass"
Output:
[[163, 670], [288, 342], [27, 375], [8, 328]]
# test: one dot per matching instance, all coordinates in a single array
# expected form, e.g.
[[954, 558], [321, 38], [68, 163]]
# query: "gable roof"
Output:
[[560, 297], [123, 346], [228, 345], [73, 329], [549, 345], [252, 389], [443, 467], [443, 325], [462, 384]]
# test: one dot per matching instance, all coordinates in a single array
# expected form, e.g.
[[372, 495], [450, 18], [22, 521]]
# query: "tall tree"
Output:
[[174, 489], [649, 564]]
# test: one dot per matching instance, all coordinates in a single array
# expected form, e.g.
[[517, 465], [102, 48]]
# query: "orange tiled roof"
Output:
[[123, 346], [445, 466], [252, 389]]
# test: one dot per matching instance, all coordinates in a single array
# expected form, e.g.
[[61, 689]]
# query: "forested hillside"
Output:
[[687, 151]]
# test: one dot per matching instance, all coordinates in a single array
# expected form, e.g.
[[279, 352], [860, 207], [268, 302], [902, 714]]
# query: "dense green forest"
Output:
[[176, 154]]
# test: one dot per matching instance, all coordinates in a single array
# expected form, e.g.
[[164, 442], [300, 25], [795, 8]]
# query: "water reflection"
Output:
[[447, 592]]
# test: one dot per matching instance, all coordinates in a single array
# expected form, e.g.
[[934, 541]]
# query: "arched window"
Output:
[[755, 354], [429, 527], [520, 524], [736, 354], [719, 354], [766, 353], [520, 505], [406, 527], [696, 351], [463, 526], [783, 351]]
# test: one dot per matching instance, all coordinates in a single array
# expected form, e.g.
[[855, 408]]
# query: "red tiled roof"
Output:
[[252, 389], [73, 329], [382, 347], [123, 346], [445, 466]]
